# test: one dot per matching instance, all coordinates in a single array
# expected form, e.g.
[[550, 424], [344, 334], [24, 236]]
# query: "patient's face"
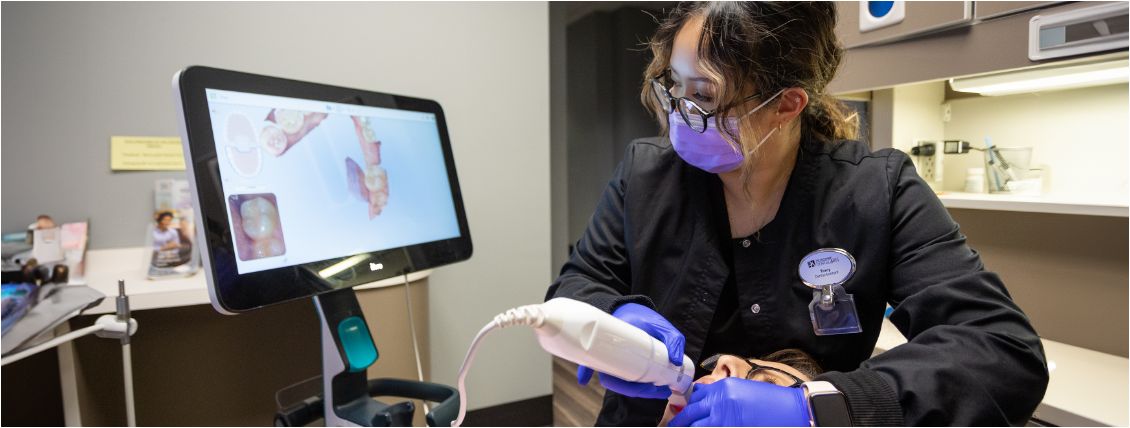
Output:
[[731, 366]]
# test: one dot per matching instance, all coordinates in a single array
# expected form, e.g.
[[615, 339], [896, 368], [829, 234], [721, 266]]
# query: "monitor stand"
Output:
[[347, 399]]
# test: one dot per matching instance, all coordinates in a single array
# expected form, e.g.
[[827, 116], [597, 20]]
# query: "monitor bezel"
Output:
[[231, 292]]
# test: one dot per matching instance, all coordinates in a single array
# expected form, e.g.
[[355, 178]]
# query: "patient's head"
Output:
[[786, 367]]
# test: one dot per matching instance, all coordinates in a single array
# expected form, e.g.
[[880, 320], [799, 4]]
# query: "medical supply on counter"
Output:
[[585, 335], [17, 300], [54, 304], [975, 180], [1006, 166]]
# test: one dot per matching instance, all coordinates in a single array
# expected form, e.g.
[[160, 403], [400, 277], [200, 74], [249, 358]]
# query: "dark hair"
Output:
[[750, 47], [161, 215], [796, 359]]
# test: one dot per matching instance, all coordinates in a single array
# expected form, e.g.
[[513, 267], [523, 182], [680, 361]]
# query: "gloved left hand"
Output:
[[654, 325], [734, 402]]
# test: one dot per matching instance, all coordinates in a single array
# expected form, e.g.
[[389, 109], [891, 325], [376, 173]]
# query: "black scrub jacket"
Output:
[[660, 236]]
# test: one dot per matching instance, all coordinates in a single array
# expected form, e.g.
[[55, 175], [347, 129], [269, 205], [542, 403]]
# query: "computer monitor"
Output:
[[305, 188]]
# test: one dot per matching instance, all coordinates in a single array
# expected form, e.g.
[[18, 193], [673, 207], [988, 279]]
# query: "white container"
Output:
[[975, 180]]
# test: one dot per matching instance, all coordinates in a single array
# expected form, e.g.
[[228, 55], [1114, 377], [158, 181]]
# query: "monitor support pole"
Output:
[[347, 352]]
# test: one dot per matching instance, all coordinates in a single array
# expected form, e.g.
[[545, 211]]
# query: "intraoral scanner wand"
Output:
[[585, 335]]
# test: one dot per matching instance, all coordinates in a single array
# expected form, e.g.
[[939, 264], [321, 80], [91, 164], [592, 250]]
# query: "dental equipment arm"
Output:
[[585, 335]]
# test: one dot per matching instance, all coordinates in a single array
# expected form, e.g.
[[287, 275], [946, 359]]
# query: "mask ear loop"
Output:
[[763, 140], [763, 103], [771, 132]]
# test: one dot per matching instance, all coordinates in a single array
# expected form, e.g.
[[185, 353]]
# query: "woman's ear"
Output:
[[792, 103]]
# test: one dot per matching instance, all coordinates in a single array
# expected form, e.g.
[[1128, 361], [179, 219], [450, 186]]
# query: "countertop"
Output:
[[105, 267], [1086, 387]]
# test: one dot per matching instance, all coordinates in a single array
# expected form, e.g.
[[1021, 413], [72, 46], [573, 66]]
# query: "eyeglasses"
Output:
[[754, 368], [694, 116]]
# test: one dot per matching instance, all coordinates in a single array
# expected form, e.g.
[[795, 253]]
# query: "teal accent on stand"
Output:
[[360, 351]]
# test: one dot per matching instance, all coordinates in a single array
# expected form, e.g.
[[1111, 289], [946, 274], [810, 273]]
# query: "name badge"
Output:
[[826, 266], [832, 310]]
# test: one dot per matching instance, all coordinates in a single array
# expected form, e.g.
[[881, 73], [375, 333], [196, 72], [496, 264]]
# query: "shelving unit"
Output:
[[1033, 204]]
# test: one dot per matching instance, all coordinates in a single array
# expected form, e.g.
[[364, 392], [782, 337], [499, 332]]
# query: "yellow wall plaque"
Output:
[[146, 154]]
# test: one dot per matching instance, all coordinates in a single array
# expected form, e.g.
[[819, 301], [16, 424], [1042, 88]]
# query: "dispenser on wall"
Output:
[[874, 15], [1077, 32]]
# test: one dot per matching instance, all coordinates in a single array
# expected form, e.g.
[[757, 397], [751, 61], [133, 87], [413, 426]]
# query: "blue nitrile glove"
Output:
[[658, 327], [737, 402]]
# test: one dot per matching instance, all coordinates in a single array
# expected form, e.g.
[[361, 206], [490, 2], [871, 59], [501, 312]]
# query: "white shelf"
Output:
[[105, 267], [1033, 204], [1072, 398]]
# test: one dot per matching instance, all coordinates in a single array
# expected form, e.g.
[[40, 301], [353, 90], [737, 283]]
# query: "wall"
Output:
[[558, 136], [77, 73], [918, 117], [604, 66]]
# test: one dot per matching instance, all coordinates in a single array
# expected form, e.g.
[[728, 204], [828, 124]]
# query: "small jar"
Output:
[[975, 180]]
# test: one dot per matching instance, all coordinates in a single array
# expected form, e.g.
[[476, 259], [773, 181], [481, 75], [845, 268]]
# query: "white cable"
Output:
[[127, 379], [463, 372], [50, 343], [415, 345], [523, 315]]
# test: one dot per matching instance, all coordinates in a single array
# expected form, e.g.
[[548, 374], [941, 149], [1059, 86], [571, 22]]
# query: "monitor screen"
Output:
[[308, 180], [304, 188]]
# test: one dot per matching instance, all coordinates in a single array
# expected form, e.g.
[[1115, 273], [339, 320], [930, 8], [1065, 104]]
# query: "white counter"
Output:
[[105, 267], [103, 270], [1035, 204], [1086, 387]]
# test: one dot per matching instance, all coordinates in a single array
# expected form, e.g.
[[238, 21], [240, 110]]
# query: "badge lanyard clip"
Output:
[[832, 309]]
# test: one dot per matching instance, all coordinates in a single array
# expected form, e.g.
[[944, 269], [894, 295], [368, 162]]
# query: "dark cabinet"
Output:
[[991, 9]]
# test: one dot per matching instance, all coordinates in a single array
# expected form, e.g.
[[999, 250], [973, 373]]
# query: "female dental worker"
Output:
[[757, 224]]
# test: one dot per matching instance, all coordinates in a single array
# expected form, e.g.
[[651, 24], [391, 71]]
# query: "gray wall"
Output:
[[77, 73], [558, 136], [604, 65]]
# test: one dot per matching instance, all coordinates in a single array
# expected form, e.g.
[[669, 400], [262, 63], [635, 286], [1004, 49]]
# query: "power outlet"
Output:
[[927, 159]]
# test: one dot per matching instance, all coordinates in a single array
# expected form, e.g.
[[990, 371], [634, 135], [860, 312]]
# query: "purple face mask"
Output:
[[707, 150]]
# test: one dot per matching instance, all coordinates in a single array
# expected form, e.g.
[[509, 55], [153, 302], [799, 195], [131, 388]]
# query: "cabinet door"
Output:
[[920, 17], [991, 9]]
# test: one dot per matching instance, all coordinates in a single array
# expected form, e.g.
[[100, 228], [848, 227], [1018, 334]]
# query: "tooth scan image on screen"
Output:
[[242, 148], [257, 231], [307, 181]]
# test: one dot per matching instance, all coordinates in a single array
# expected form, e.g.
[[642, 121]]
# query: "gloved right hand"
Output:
[[656, 326]]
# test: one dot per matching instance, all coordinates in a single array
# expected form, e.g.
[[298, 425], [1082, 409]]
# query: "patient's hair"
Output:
[[796, 359]]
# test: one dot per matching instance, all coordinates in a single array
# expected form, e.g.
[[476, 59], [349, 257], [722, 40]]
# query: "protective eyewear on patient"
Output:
[[754, 368], [694, 116]]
